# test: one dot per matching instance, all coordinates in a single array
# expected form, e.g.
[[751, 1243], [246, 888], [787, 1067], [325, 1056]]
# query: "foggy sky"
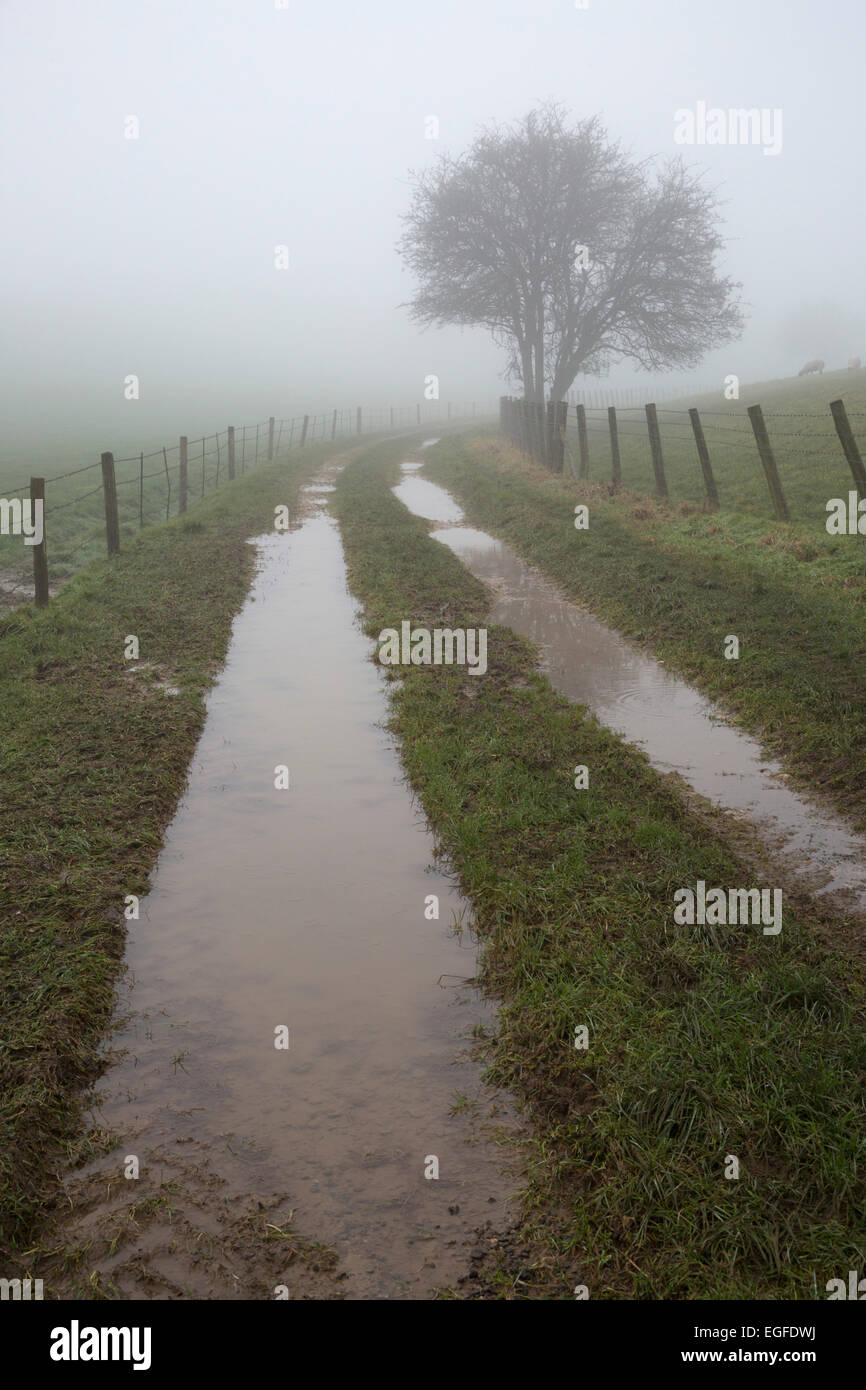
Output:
[[262, 126]]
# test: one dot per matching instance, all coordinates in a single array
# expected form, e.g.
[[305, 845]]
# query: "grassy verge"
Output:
[[680, 581], [704, 1042], [94, 759], [811, 463]]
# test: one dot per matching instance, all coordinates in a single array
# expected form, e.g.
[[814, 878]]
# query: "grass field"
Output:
[[704, 1042], [811, 463]]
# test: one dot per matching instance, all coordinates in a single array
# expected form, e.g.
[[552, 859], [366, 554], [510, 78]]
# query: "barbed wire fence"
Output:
[[185, 472], [541, 430]]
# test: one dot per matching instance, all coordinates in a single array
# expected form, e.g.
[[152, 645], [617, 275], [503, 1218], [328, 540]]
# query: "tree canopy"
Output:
[[569, 252]]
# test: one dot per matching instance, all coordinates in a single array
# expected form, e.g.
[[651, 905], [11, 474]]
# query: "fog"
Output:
[[261, 126]]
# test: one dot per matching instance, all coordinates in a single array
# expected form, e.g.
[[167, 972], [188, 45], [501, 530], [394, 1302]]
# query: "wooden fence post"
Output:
[[553, 442], [560, 422], [270, 437], [359, 419], [109, 490], [182, 479], [334, 425], [582, 441], [167, 483], [655, 439], [616, 469], [704, 456], [140, 490], [849, 444], [40, 553], [304, 431], [771, 472], [231, 444], [418, 413]]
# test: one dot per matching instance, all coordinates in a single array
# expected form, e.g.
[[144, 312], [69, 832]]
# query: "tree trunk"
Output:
[[560, 388], [526, 368], [535, 324], [539, 360]]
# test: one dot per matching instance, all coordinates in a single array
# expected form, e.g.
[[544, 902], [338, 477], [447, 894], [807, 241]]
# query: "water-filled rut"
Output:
[[304, 909], [634, 695]]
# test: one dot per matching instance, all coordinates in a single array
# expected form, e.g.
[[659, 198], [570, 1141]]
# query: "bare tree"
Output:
[[569, 252]]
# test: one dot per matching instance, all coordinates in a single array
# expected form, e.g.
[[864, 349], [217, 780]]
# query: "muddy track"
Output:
[[296, 1033]]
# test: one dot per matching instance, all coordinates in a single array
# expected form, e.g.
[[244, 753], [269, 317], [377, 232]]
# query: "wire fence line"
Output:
[[134, 494], [629, 397], [545, 432]]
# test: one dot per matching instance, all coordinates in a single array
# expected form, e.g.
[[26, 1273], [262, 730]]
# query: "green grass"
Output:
[[93, 762], [703, 1042], [811, 464], [679, 581], [75, 509]]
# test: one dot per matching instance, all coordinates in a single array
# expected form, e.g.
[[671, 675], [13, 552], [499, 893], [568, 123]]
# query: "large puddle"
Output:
[[304, 909], [631, 693]]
